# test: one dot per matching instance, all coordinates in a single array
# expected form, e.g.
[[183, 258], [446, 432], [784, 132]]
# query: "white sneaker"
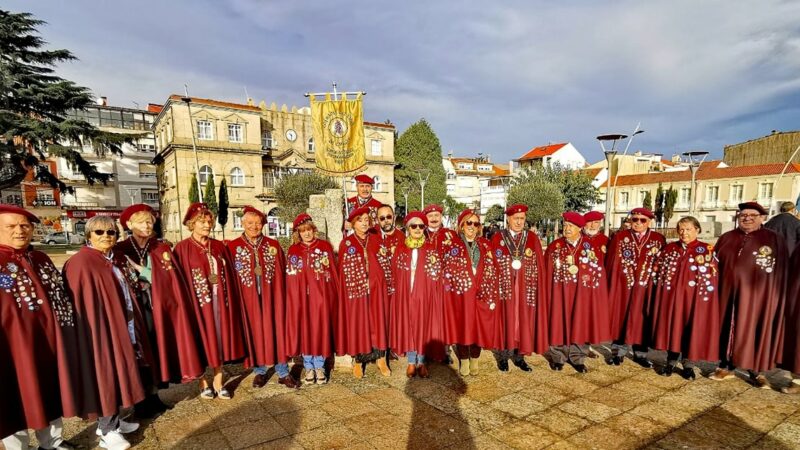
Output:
[[113, 440], [124, 428]]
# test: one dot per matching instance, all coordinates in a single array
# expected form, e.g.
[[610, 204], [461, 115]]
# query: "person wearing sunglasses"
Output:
[[630, 263], [36, 315], [471, 320], [753, 264], [522, 305], [362, 326], [442, 239], [111, 327], [577, 293], [593, 234], [215, 295], [416, 315], [164, 299], [363, 197]]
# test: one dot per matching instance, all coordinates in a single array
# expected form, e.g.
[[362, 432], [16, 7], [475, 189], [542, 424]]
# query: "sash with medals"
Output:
[[515, 249]]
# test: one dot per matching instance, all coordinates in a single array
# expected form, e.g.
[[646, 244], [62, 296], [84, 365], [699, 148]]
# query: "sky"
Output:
[[497, 78]]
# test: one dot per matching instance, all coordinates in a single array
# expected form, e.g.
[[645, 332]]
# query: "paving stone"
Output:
[[602, 437], [366, 424], [785, 435], [594, 411], [484, 442], [303, 420], [518, 405], [484, 417], [643, 429], [251, 433], [571, 385], [213, 439], [524, 434], [668, 383], [615, 398], [346, 407], [706, 432], [559, 422], [544, 395], [328, 438], [287, 443], [672, 415], [286, 402], [759, 415], [641, 389]]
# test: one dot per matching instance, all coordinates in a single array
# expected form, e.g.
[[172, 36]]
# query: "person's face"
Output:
[[103, 238], [687, 232], [626, 225], [416, 228], [593, 227], [386, 219], [202, 227], [470, 226], [640, 223], [306, 233], [16, 231], [252, 225], [516, 222], [434, 219], [364, 189], [142, 228], [571, 231], [361, 224], [750, 220]]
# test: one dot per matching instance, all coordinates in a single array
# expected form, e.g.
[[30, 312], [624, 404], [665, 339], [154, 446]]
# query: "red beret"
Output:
[[301, 219], [358, 212], [518, 208], [416, 215], [364, 178], [574, 218], [591, 216], [643, 212], [753, 205], [431, 208], [250, 209], [194, 209], [131, 210], [11, 209], [463, 216]]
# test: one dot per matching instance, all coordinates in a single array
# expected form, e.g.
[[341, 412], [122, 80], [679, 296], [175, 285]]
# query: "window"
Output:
[[268, 178], [13, 199], [237, 222], [642, 194], [310, 145], [237, 177], [711, 218], [204, 130], [377, 183], [765, 191], [147, 171], [484, 168], [737, 193], [150, 197], [266, 140], [235, 132], [624, 198], [465, 166], [685, 196], [205, 174], [376, 147], [712, 194]]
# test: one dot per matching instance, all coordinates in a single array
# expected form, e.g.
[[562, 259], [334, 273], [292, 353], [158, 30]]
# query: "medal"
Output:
[[213, 278], [573, 269], [516, 264], [258, 270], [570, 260]]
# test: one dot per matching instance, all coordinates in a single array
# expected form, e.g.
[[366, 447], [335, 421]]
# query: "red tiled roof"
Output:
[[154, 108], [540, 152], [667, 162], [591, 173], [707, 171], [206, 101]]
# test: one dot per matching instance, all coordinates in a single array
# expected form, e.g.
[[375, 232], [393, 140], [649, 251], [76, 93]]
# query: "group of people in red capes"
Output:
[[126, 317]]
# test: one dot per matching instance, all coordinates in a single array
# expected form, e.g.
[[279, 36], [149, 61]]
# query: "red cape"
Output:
[[389, 246], [686, 303], [630, 266], [372, 204], [311, 299], [523, 304], [108, 362], [752, 268], [416, 323], [578, 302], [791, 342], [363, 310], [176, 353], [265, 313], [230, 344], [600, 243], [36, 345]]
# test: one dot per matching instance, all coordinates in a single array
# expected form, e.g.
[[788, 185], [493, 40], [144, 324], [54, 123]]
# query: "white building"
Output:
[[476, 182], [563, 154]]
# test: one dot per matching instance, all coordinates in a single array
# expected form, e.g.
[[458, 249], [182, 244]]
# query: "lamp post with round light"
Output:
[[695, 159], [610, 154]]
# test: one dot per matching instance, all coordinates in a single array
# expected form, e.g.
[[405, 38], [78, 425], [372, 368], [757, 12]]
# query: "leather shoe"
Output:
[[791, 389], [411, 370], [556, 366], [289, 382], [617, 360], [642, 361], [580, 368], [259, 381], [523, 366], [722, 374], [761, 382], [502, 365], [667, 370], [358, 369], [422, 370], [688, 373]]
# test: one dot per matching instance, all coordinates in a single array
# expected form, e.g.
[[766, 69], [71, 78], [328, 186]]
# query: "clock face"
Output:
[[291, 135]]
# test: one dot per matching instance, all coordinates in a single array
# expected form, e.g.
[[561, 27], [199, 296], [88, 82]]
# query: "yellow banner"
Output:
[[338, 134]]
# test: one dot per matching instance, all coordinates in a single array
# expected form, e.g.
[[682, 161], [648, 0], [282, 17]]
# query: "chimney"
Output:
[[102, 101]]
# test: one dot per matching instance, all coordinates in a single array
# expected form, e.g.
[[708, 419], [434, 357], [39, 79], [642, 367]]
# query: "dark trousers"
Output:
[[574, 354], [108, 424], [505, 355], [468, 351]]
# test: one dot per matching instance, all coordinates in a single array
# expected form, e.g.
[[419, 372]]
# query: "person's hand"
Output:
[[136, 267]]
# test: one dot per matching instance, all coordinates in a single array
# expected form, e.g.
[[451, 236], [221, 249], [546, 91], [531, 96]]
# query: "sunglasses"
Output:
[[416, 226], [640, 220], [470, 223], [102, 232], [748, 216], [389, 217]]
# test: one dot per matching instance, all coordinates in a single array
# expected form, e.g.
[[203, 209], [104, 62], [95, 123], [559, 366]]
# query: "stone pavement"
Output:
[[610, 407]]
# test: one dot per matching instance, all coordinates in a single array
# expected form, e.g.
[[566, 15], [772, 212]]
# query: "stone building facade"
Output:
[[774, 148]]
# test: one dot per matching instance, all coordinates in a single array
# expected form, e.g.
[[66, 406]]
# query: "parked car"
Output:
[[60, 238]]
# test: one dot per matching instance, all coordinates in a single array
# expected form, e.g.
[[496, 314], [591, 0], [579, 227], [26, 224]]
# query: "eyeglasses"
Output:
[[748, 216], [470, 223], [389, 217], [640, 220], [416, 226], [102, 232]]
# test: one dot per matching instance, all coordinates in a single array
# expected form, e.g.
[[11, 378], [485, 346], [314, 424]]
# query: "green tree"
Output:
[[648, 201], [418, 151], [452, 209], [494, 215], [34, 107], [658, 211], [670, 198], [194, 192], [544, 199], [210, 197], [575, 186], [292, 193], [222, 216]]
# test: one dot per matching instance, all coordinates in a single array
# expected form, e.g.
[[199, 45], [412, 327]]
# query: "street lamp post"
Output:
[[610, 154], [423, 178], [695, 159], [405, 195]]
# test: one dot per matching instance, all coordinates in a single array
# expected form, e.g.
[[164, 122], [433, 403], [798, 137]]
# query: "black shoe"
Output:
[[150, 407], [556, 366], [580, 368], [523, 366], [610, 360], [688, 373], [667, 370], [502, 365], [259, 381], [618, 360], [642, 361]]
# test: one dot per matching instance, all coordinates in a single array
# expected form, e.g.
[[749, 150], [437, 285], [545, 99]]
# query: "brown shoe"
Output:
[[422, 370], [411, 370], [259, 381], [793, 388], [761, 382], [383, 367], [722, 374], [289, 382], [358, 369]]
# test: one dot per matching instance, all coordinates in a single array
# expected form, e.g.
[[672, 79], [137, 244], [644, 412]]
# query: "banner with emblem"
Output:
[[338, 134]]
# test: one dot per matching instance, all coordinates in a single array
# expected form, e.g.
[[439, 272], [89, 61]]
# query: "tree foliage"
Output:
[[292, 192], [452, 209], [418, 151], [575, 186], [210, 197], [34, 103], [648, 201], [543, 198], [494, 215], [658, 209], [670, 198], [222, 215], [194, 191]]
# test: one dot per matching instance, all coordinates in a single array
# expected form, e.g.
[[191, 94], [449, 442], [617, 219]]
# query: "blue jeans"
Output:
[[414, 358], [311, 362], [282, 369]]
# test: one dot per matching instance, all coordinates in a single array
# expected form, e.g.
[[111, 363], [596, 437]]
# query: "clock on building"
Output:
[[291, 135]]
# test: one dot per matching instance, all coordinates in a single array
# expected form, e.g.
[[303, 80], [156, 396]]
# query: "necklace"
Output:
[[143, 253], [363, 244], [213, 277], [515, 249], [572, 268], [256, 255], [414, 243]]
